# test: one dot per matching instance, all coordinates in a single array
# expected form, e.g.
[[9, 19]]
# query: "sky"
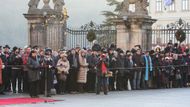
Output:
[[13, 25]]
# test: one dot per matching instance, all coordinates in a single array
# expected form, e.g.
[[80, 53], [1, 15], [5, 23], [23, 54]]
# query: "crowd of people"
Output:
[[40, 71]]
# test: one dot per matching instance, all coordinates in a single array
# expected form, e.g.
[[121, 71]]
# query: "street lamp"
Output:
[[45, 34], [57, 17]]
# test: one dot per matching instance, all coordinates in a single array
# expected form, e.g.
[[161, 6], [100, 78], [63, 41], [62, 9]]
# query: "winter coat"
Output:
[[25, 60], [99, 66], [63, 66], [16, 61], [121, 65], [71, 61], [82, 74], [33, 69]]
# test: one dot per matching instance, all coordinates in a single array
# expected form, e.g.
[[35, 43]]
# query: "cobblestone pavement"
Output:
[[141, 98]]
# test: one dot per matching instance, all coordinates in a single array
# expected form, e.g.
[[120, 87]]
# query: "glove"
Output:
[[3, 66], [50, 66]]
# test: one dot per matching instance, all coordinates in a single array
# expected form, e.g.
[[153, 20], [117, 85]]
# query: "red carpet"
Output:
[[10, 101]]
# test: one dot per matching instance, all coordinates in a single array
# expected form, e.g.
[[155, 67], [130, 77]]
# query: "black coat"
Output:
[[16, 61], [70, 58]]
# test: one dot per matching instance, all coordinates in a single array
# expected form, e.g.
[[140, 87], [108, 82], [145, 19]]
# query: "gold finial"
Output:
[[65, 11]]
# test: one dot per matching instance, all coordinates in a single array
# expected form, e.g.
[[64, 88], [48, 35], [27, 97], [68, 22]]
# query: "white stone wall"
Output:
[[165, 17]]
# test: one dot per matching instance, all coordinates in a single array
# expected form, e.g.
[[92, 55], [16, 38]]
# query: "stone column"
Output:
[[134, 31], [122, 35]]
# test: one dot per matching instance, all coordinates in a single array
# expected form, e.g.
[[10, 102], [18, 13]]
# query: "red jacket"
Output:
[[1, 77]]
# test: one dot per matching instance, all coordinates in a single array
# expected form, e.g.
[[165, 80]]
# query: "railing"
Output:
[[163, 36]]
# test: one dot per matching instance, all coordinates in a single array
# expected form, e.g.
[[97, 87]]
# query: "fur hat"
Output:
[[6, 46], [15, 48]]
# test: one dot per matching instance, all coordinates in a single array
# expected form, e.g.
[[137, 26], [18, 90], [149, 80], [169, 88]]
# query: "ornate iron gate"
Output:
[[163, 36], [77, 36], [106, 36]]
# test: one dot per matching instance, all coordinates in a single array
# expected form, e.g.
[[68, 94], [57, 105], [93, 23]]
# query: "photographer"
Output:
[[102, 67]]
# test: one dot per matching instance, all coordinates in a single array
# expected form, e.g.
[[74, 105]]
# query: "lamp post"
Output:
[[57, 17], [45, 35]]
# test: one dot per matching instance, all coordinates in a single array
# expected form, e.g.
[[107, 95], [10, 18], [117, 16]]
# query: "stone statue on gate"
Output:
[[140, 7], [33, 4], [145, 4], [58, 5]]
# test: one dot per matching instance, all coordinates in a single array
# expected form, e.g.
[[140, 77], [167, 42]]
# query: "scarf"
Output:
[[75, 61], [148, 67], [104, 68]]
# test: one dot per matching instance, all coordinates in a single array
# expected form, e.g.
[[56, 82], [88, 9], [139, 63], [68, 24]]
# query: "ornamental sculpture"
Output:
[[33, 4], [140, 7], [58, 5]]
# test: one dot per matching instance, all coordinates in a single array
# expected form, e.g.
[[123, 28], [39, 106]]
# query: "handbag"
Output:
[[109, 74]]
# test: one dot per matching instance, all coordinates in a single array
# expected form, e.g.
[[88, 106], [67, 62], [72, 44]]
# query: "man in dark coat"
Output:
[[7, 70], [121, 66], [2, 86], [92, 59], [137, 58], [74, 67], [17, 70], [33, 66]]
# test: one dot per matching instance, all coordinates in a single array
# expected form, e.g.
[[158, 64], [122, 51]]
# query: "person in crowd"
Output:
[[102, 69], [188, 70], [121, 70], [25, 57], [17, 73], [83, 68], [184, 67], [160, 68], [2, 85], [130, 73], [92, 58], [6, 57], [40, 57], [168, 69], [148, 70], [49, 65], [113, 55], [74, 66], [169, 48], [156, 60], [137, 58], [1, 77], [171, 73], [180, 70], [33, 74], [63, 67]]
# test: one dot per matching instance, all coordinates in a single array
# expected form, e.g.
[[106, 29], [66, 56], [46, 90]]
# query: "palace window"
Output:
[[158, 5], [172, 7], [185, 5]]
